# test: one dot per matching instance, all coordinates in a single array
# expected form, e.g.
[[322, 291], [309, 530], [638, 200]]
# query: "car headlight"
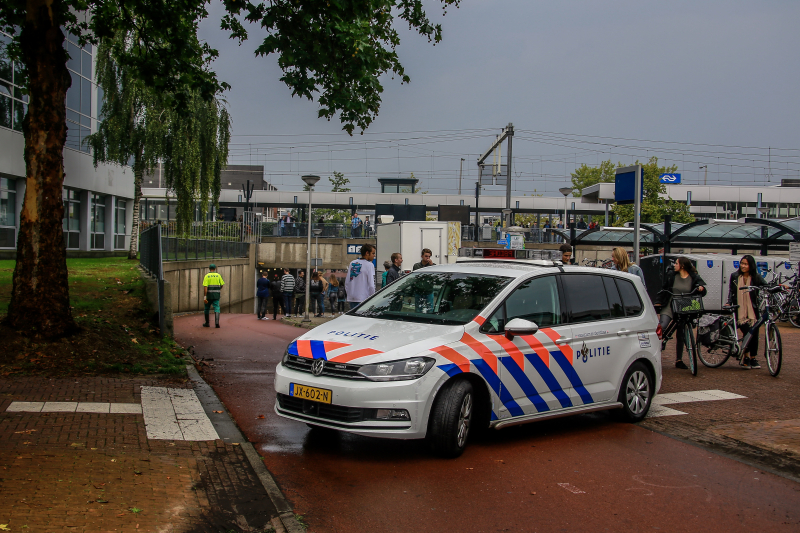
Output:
[[412, 368], [285, 356]]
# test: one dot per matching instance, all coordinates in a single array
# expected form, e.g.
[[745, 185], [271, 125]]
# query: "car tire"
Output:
[[636, 393], [451, 417]]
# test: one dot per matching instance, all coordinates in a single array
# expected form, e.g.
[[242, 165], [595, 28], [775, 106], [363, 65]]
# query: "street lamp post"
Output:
[[566, 191], [309, 180], [705, 176]]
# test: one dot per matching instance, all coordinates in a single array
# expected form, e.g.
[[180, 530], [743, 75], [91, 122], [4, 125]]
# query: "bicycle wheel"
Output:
[[773, 349], [712, 360], [794, 312], [774, 307], [691, 348]]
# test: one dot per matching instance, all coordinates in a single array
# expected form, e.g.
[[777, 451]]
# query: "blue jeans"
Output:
[[287, 303], [353, 305], [318, 301]]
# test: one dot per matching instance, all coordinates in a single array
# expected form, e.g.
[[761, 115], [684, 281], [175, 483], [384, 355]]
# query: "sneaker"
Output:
[[205, 325], [754, 364], [746, 362], [680, 364], [265, 318]]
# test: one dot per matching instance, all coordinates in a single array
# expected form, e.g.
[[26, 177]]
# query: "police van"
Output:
[[482, 343]]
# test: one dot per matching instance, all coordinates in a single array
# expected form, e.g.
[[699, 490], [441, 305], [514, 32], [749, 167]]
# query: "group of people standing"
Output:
[[289, 294]]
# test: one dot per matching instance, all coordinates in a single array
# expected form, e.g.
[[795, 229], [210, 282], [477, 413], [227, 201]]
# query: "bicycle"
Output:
[[590, 262], [686, 309], [728, 341]]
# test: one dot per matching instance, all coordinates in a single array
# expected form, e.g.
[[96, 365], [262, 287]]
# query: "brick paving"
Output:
[[98, 472], [762, 429]]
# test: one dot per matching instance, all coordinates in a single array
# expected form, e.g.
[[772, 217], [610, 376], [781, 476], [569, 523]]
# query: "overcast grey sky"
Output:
[[718, 80]]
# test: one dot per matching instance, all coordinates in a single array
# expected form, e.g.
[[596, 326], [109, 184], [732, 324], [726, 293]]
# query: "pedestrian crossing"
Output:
[[169, 414], [659, 408]]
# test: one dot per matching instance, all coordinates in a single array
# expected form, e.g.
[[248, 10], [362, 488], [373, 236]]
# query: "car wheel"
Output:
[[451, 417], [636, 393]]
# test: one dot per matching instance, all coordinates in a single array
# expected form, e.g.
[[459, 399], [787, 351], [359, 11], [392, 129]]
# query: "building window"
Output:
[[8, 213], [119, 223], [80, 99], [13, 104], [71, 223], [98, 218]]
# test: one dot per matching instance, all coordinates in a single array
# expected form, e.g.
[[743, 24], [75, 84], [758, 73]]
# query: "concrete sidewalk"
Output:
[[78, 454]]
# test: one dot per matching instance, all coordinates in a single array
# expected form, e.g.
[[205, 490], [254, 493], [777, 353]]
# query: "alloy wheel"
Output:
[[637, 392]]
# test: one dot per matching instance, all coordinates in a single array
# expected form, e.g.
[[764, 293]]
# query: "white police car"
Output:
[[477, 344]]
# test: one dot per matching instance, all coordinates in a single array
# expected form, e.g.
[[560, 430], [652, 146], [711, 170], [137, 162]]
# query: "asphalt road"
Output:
[[584, 473]]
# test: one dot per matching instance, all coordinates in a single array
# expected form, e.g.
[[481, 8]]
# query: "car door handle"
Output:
[[563, 340], [623, 332]]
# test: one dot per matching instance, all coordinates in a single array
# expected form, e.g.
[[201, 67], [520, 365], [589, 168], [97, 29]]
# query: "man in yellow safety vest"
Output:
[[212, 287]]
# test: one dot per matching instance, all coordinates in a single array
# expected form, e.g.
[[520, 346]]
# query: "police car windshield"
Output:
[[447, 298]]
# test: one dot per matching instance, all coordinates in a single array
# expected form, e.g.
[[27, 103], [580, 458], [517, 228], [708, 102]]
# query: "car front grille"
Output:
[[327, 411], [332, 368]]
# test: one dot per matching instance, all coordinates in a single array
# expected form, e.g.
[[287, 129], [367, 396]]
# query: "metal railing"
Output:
[[491, 234], [150, 259], [329, 230], [180, 249], [211, 231]]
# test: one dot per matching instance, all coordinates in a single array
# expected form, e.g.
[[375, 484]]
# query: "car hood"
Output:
[[368, 340]]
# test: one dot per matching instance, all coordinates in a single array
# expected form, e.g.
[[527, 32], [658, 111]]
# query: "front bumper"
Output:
[[353, 399]]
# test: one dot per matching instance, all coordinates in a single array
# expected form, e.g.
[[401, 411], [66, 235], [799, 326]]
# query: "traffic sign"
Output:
[[670, 179]]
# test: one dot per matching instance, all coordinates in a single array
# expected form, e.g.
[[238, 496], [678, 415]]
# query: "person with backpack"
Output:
[[300, 294], [333, 293], [262, 293]]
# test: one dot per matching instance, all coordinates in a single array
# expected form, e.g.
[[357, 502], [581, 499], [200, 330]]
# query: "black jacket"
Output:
[[393, 274], [669, 280], [733, 290]]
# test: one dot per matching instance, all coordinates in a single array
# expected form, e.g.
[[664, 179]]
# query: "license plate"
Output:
[[310, 393]]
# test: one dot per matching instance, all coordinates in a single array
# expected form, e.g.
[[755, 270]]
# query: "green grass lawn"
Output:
[[117, 332]]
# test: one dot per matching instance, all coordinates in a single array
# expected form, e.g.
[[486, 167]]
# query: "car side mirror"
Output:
[[519, 326]]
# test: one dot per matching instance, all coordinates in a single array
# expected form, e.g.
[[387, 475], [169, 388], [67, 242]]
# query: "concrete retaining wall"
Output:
[[186, 279]]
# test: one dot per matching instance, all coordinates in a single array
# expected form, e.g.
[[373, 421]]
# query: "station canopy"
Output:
[[706, 233]]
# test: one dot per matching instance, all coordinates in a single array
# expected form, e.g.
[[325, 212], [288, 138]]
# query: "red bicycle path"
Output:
[[584, 472]]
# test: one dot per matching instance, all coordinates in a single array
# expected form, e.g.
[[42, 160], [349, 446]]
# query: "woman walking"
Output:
[[683, 279], [333, 293], [749, 304], [621, 262]]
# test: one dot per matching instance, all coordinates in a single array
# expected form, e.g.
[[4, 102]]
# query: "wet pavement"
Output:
[[586, 472]]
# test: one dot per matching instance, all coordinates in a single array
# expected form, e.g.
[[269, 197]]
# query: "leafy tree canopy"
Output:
[[335, 50], [586, 176]]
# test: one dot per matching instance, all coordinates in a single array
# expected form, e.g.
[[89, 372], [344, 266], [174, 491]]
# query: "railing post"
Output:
[[160, 281]]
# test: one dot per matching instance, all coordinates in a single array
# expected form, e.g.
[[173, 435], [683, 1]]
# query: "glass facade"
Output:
[[98, 218], [119, 223], [71, 223], [8, 213], [13, 104], [80, 108]]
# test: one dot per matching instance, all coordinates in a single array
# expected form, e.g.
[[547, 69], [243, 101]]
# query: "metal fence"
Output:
[[244, 231], [150, 246], [327, 230], [180, 249], [150, 251], [491, 234]]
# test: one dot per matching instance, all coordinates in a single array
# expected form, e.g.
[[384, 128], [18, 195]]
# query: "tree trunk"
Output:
[[40, 294], [138, 176]]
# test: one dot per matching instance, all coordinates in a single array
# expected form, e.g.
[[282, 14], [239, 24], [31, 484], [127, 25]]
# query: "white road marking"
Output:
[[74, 407], [175, 414], [169, 414], [573, 489], [657, 406]]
